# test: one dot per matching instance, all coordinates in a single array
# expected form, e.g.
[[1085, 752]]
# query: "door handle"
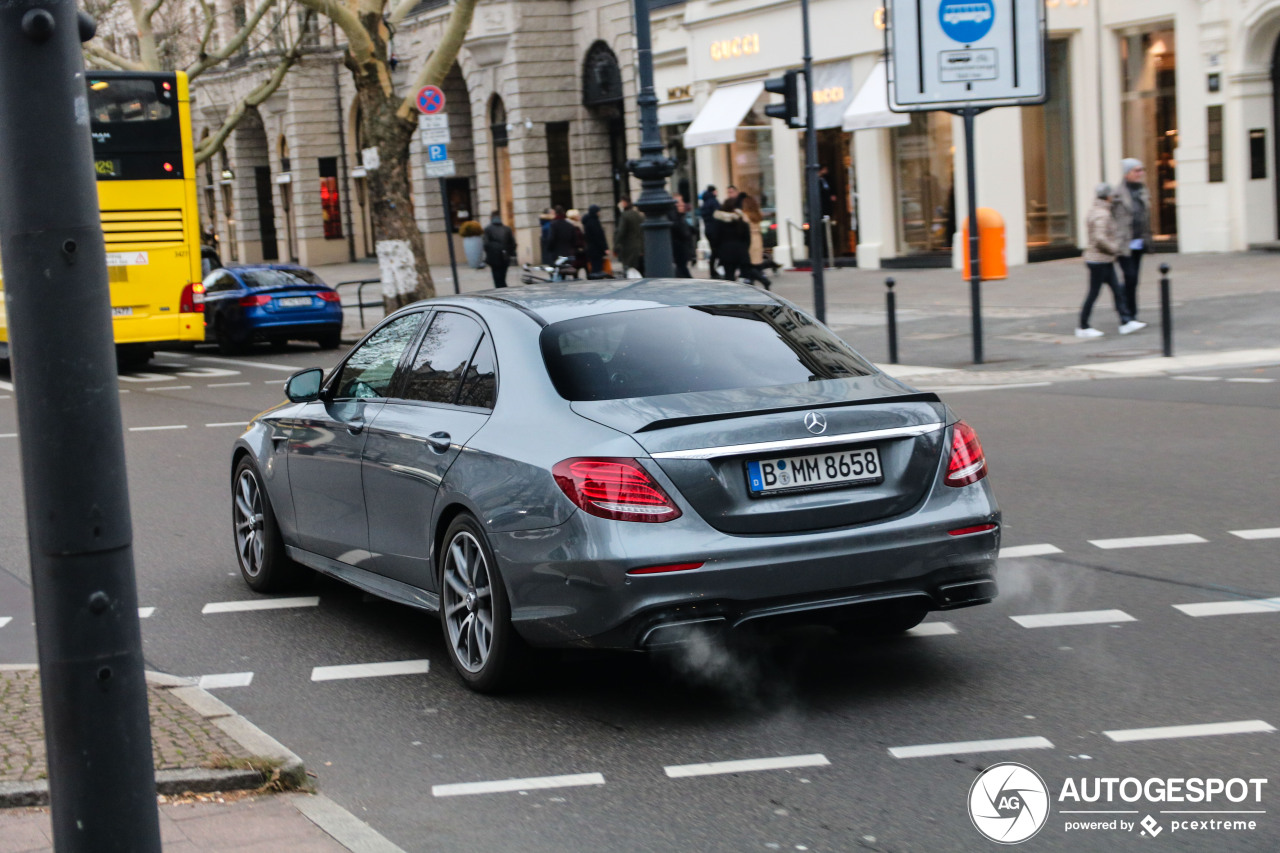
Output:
[[440, 442], [355, 427]]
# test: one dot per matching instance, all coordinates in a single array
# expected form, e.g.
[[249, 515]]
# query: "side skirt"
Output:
[[401, 593]]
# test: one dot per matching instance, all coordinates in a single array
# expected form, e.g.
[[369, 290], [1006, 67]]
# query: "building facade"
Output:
[[542, 112]]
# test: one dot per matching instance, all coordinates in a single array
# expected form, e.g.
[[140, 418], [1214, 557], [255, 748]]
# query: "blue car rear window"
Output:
[[676, 350], [259, 279]]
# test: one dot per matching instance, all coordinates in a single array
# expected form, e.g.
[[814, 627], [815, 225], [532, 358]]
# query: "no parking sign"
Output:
[[430, 100]]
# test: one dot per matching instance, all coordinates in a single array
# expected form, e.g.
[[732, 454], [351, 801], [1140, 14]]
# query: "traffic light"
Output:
[[788, 86]]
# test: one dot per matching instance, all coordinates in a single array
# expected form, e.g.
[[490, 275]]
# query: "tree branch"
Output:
[[152, 9], [445, 54], [205, 62], [402, 9], [111, 59], [268, 87], [210, 20], [359, 45], [146, 36]]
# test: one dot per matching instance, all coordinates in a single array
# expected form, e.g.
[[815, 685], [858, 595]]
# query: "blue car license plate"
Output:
[[815, 471], [294, 302]]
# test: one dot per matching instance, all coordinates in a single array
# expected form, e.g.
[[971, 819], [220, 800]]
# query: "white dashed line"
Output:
[[370, 670], [8, 435], [1080, 617], [170, 388], [6, 396], [226, 679], [145, 612], [273, 382], [229, 424], [5, 620], [7, 386], [1197, 378], [1149, 541], [507, 785], [287, 368], [157, 428], [932, 629], [228, 384], [1254, 380], [929, 750], [1230, 608], [1201, 730], [966, 389], [748, 765], [1030, 550], [1260, 533], [261, 604]]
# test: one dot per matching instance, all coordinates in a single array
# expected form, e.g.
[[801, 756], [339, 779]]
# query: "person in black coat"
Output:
[[597, 243], [683, 239], [563, 237], [499, 248], [734, 240], [710, 227]]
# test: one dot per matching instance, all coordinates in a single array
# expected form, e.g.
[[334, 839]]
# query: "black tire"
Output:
[[279, 344], [228, 343], [888, 619], [489, 658], [133, 356], [259, 547], [330, 340]]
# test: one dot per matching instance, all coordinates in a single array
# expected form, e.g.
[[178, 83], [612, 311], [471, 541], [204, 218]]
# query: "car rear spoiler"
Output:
[[668, 423]]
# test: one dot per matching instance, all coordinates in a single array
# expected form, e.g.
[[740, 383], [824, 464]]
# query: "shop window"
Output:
[[924, 174], [1047, 158], [329, 199], [559, 165], [1150, 113], [751, 158]]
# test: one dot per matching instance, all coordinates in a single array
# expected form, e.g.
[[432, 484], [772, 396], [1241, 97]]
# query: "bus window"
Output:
[[116, 101]]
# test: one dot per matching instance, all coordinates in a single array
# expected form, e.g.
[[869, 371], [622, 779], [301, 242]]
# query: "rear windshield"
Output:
[[657, 351], [258, 279]]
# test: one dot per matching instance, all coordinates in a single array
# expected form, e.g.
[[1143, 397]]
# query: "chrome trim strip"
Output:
[[797, 443]]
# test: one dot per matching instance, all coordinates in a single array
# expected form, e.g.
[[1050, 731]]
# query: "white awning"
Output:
[[718, 122], [870, 109]]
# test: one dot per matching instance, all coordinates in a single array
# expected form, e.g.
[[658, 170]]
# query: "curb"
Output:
[[292, 772]]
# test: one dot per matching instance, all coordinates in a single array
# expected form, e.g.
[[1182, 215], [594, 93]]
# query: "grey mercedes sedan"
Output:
[[621, 465]]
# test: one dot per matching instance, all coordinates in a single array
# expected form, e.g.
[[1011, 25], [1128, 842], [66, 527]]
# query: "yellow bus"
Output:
[[143, 157]]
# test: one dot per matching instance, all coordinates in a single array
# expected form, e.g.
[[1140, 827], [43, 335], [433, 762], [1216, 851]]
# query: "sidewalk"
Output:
[[202, 749], [1222, 303]]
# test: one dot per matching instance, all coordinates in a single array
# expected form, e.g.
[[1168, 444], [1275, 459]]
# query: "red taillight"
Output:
[[967, 464], [977, 528], [657, 570], [192, 299], [258, 299], [329, 296], [614, 488]]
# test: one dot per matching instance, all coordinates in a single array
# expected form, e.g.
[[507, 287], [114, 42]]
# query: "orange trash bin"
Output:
[[990, 245]]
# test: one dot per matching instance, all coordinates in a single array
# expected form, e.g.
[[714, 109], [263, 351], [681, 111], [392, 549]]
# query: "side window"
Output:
[[441, 362], [220, 281], [369, 370], [480, 387]]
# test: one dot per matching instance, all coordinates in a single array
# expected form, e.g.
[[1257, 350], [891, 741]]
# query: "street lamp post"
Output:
[[652, 168]]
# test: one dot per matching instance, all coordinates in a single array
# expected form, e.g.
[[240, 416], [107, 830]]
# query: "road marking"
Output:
[[145, 612], [1080, 617], [228, 423], [932, 629], [156, 428], [228, 384], [288, 368], [6, 396], [225, 679], [1260, 533], [928, 750], [1030, 550], [1197, 378], [8, 435], [273, 382], [505, 785], [170, 388], [965, 389], [680, 771], [1252, 379], [1149, 541], [1230, 608], [5, 620], [1201, 730], [7, 386], [261, 604], [370, 670]]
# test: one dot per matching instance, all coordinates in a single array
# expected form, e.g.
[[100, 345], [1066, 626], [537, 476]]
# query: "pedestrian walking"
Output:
[[580, 242], [548, 216], [628, 237], [1133, 217], [735, 242], [707, 212], [752, 213], [683, 239], [597, 245], [1103, 245], [563, 238], [499, 248]]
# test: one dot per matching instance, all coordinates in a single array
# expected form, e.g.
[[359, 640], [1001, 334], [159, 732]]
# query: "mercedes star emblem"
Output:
[[815, 423]]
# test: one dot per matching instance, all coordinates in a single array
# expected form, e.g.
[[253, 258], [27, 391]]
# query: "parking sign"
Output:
[[437, 153]]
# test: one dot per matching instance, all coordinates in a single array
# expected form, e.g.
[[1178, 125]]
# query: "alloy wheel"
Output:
[[468, 602], [249, 520]]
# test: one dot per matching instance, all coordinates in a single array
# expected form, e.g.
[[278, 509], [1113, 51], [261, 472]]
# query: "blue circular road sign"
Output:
[[430, 100], [967, 21]]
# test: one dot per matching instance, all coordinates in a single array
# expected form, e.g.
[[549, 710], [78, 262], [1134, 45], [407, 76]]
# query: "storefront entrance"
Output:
[[1047, 164], [924, 177], [835, 151], [1151, 122]]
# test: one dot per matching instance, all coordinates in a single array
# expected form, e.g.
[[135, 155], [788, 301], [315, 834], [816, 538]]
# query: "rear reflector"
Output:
[[192, 299], [615, 488], [967, 464], [965, 531], [657, 570]]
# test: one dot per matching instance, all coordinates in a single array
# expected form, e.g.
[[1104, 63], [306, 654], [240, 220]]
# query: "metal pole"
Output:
[[1166, 312], [448, 231], [975, 261], [811, 173], [652, 168], [891, 309], [97, 730]]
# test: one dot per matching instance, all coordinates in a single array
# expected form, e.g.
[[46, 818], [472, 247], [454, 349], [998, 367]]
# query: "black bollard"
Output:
[[1166, 312], [891, 308]]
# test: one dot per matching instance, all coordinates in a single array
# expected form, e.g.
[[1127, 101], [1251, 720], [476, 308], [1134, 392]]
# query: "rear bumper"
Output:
[[266, 330], [158, 328]]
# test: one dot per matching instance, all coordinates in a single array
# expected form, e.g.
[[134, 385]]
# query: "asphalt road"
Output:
[[1074, 465]]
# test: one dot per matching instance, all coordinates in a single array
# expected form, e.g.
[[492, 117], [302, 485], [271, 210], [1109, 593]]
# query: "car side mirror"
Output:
[[304, 386]]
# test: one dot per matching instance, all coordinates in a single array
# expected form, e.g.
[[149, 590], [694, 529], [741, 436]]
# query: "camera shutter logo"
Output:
[[815, 422], [1009, 803]]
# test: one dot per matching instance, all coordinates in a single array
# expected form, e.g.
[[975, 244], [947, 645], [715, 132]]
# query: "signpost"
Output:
[[433, 130], [966, 57]]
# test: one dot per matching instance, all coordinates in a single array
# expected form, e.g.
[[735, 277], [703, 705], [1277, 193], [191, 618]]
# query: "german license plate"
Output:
[[815, 471], [125, 311], [294, 301]]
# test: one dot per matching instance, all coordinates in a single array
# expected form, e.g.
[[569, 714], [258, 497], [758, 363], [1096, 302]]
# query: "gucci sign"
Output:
[[735, 47]]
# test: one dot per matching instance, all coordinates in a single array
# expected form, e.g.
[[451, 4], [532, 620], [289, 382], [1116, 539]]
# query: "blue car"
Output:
[[270, 302]]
